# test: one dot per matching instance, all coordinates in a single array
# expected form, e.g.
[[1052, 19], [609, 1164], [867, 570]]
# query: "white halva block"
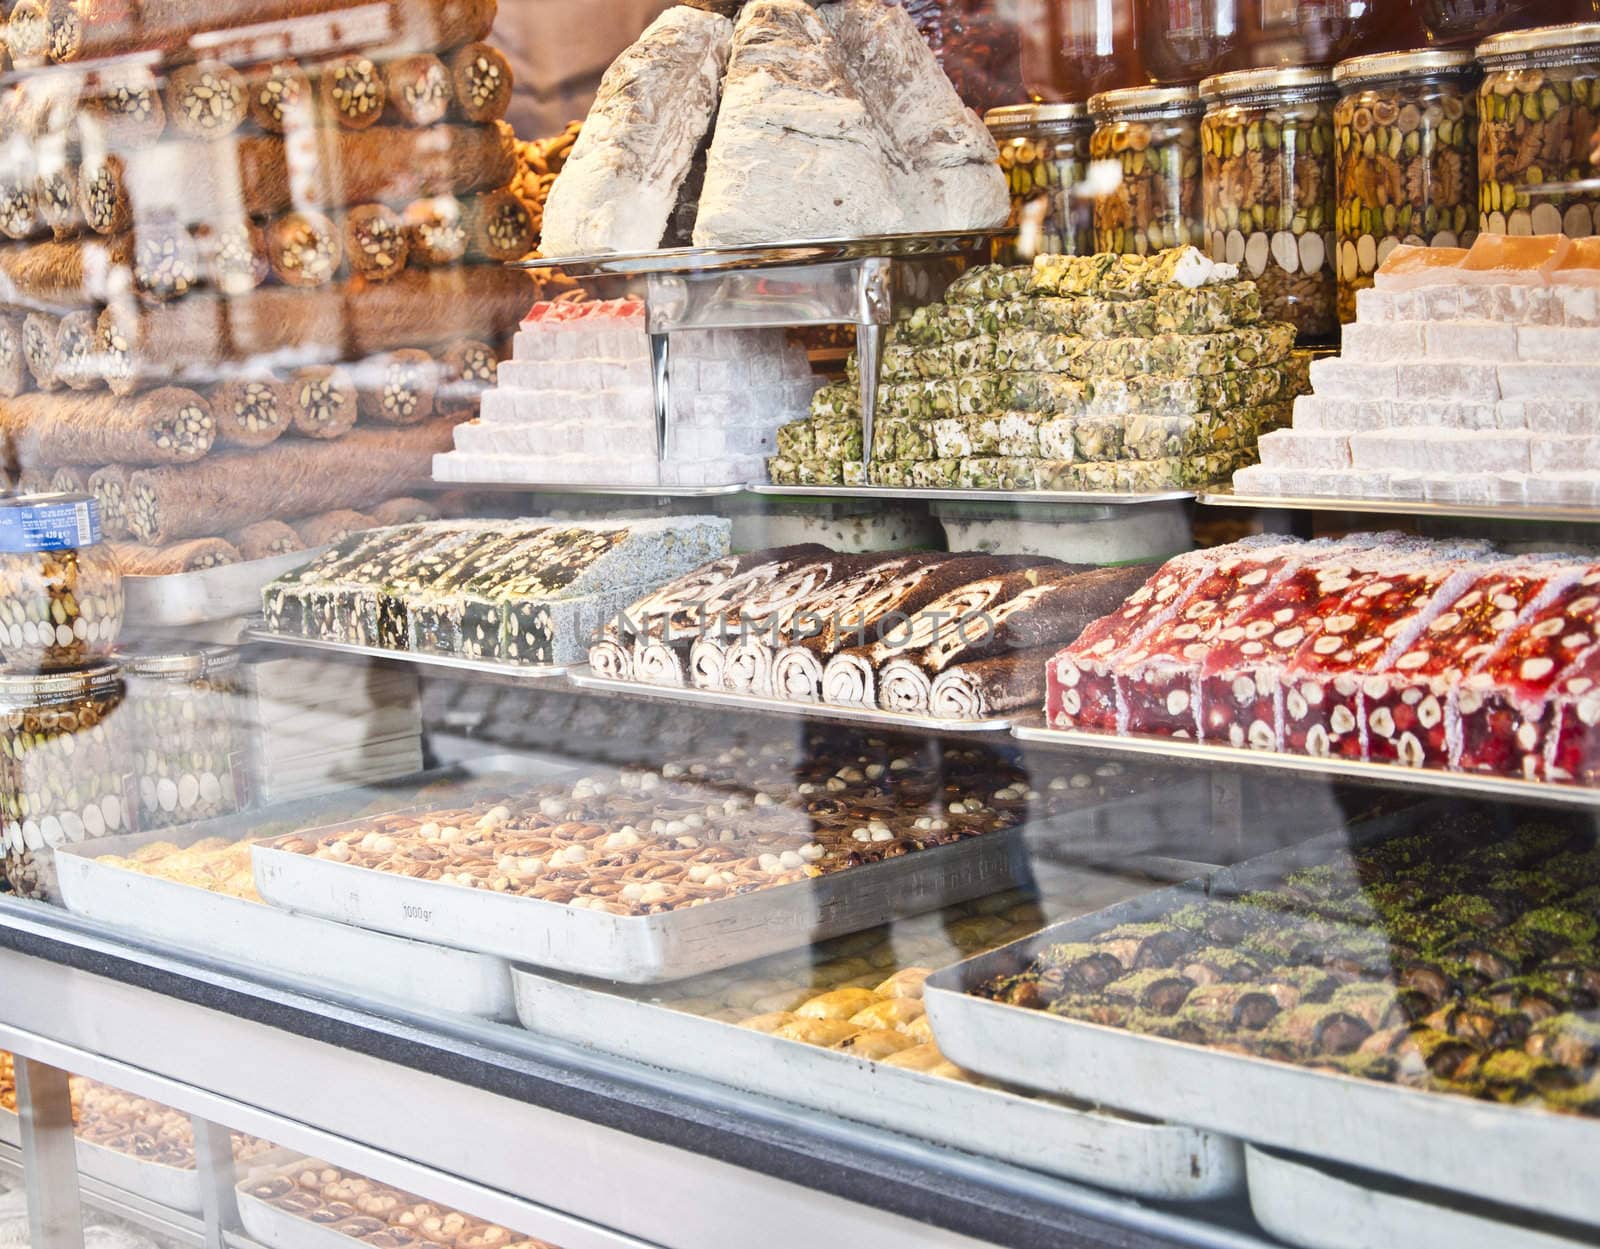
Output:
[[1544, 381], [1436, 451], [1547, 454], [1390, 342], [1561, 416], [1483, 342], [1318, 413], [1577, 305], [1336, 378], [1455, 380], [1558, 344], [1294, 448]]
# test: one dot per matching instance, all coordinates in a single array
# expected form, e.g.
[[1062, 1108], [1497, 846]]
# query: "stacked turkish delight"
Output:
[[533, 592], [575, 405], [1110, 373], [956, 636], [1469, 377], [1377, 648]]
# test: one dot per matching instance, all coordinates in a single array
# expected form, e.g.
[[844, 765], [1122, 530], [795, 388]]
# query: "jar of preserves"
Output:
[[1321, 32], [1153, 133], [64, 769], [1044, 152], [1406, 135], [1073, 49], [1183, 41], [187, 738], [60, 585], [1538, 112], [1465, 22], [1269, 190]]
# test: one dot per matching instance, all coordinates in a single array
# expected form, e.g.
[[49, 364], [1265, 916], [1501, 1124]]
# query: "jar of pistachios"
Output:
[[65, 775], [1044, 152], [1153, 134], [1538, 113], [1269, 190], [1406, 134], [187, 733], [60, 585]]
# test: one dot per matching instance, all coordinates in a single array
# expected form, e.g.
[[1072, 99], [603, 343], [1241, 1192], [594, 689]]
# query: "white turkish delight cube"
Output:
[[1563, 455], [1472, 341], [1468, 414], [1558, 344], [1464, 488], [1055, 437], [952, 438], [1294, 448], [1433, 379], [1336, 378], [1545, 381], [1318, 413], [1257, 479], [1390, 342], [1580, 489], [1577, 305], [1437, 451], [1433, 303], [1376, 306], [1572, 417]]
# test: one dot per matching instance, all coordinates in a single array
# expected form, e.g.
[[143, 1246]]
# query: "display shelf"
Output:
[[1226, 496], [516, 673], [1033, 730], [184, 1230], [1019, 497], [585, 679], [193, 598]]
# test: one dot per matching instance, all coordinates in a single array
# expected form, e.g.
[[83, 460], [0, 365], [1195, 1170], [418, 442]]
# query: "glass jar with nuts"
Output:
[[1269, 189], [1044, 153], [1406, 134], [1538, 115], [187, 739], [64, 769], [60, 586], [1153, 135]]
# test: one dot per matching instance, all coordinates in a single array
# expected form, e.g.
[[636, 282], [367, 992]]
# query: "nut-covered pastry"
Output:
[[207, 100], [305, 248], [353, 92]]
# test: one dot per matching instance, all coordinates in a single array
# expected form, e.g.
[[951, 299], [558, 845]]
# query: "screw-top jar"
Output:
[[1269, 189], [1406, 134], [185, 713], [60, 586], [1182, 41], [1044, 152], [1465, 22], [1073, 49], [1538, 112], [1321, 32], [1153, 133], [64, 770]]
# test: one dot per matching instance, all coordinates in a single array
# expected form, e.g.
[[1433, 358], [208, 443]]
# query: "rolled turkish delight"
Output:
[[1502, 708]]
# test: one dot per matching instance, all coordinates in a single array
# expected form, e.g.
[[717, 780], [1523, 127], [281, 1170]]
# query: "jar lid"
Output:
[[1402, 64], [1033, 114], [23, 688], [48, 522], [1273, 78], [188, 663], [1129, 99], [1540, 39]]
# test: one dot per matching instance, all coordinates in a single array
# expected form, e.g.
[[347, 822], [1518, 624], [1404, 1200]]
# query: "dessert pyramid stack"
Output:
[[575, 404], [1468, 377], [1112, 373]]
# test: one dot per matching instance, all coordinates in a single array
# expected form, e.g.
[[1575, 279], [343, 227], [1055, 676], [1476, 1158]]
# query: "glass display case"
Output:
[[734, 671]]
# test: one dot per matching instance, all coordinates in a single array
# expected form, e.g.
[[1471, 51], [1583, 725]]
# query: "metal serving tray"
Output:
[[191, 598], [584, 678], [1517, 1157], [1152, 1160], [642, 949], [265, 938], [1031, 729], [1317, 1207], [1222, 496], [976, 496], [421, 659]]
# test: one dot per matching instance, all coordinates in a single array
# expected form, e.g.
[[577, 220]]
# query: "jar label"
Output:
[[49, 526]]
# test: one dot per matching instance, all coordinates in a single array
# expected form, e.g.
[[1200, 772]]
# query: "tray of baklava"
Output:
[[840, 1027], [649, 874], [193, 887], [1415, 997]]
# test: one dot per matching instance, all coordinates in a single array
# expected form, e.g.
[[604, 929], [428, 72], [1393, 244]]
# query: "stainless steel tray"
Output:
[[1305, 1204], [192, 598], [733, 258], [1031, 729], [584, 678], [265, 938], [1516, 1157], [642, 949], [421, 659], [1225, 496], [976, 496], [1152, 1160]]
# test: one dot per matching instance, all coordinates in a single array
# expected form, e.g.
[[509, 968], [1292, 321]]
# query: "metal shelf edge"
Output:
[[1225, 497]]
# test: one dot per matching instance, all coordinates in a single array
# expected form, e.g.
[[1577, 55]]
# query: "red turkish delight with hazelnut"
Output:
[[1572, 747], [1501, 711], [1371, 625], [1404, 708], [1158, 678]]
